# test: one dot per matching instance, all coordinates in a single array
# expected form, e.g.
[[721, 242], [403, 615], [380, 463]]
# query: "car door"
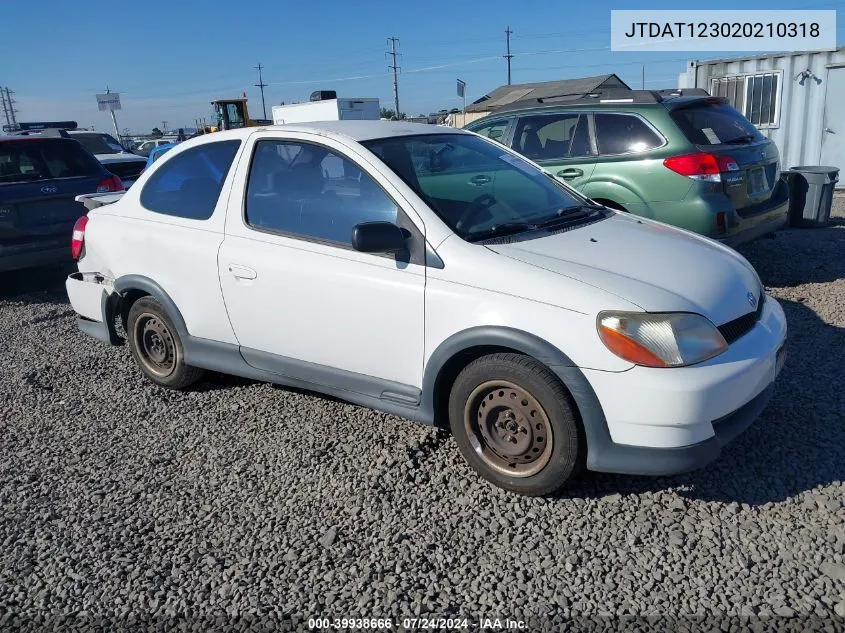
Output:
[[301, 301], [560, 142]]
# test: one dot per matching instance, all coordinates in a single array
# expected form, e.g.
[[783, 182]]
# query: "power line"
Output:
[[392, 52], [261, 85], [508, 55]]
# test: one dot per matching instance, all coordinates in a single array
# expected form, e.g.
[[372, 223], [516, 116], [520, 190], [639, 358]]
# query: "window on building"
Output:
[[756, 95]]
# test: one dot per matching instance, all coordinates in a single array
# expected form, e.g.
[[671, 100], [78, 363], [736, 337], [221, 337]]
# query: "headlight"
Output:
[[660, 340]]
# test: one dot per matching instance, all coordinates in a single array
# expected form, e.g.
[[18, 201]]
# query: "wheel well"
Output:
[[610, 204], [128, 297], [449, 372]]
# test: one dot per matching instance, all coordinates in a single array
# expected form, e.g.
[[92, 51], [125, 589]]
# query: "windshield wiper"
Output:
[[567, 215], [500, 230]]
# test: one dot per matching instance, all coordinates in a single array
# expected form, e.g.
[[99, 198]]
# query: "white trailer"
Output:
[[327, 110]]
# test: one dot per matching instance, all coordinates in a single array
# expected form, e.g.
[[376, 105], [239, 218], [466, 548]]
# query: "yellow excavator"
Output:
[[231, 114]]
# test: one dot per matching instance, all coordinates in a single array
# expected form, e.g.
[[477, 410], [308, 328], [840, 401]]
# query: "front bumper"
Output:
[[665, 421]]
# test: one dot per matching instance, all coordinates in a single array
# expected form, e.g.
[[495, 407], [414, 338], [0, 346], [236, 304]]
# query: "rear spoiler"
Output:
[[94, 200]]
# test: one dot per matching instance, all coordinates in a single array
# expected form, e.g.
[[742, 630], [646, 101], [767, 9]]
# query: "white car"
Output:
[[111, 154], [145, 147], [438, 276]]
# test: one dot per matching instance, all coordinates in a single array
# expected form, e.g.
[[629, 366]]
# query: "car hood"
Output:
[[654, 266], [119, 158]]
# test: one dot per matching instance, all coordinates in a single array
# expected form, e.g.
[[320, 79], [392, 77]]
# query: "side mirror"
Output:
[[378, 237]]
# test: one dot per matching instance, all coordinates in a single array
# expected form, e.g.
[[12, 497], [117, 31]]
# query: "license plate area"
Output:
[[757, 182]]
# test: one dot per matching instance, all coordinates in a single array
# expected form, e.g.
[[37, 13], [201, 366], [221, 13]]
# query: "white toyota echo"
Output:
[[436, 275]]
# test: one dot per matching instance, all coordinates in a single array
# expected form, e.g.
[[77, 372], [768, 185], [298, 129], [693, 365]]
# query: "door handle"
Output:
[[242, 272], [480, 180], [571, 172], [829, 131]]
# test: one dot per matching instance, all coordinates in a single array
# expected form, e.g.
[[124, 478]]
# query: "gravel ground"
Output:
[[120, 500]]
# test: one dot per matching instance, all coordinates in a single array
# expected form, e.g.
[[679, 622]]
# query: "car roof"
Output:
[[355, 130], [669, 102]]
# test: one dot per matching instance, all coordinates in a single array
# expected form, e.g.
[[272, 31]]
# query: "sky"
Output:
[[168, 59]]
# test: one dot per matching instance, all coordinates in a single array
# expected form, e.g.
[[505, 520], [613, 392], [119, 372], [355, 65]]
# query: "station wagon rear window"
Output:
[[44, 159], [715, 123]]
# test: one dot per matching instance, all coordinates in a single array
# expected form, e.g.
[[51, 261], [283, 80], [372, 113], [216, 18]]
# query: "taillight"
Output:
[[77, 241], [702, 166], [112, 183]]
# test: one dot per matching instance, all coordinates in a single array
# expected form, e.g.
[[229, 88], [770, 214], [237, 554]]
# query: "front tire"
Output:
[[515, 424], [156, 346]]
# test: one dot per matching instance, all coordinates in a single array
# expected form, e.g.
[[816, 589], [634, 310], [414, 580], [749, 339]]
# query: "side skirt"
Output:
[[366, 391]]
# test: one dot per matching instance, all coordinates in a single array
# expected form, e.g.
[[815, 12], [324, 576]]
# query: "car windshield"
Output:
[[478, 189], [715, 123], [99, 143]]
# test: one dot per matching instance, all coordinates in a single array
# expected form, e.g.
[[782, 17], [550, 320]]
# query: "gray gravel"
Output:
[[118, 499]]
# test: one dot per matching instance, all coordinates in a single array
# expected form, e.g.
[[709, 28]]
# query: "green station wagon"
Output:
[[680, 157]]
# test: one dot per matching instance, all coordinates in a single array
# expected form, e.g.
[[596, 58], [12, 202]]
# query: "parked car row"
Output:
[[434, 274], [690, 160]]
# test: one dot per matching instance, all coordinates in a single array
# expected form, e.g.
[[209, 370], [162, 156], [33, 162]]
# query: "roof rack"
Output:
[[621, 95], [49, 131]]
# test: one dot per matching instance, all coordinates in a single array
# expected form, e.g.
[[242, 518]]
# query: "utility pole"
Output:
[[392, 41], [261, 85], [113, 117], [643, 83], [9, 108], [508, 55]]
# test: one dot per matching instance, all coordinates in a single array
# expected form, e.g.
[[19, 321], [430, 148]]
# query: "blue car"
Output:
[[156, 153], [40, 177]]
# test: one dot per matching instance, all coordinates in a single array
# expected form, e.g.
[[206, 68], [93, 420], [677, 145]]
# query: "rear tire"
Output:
[[515, 424], [156, 346]]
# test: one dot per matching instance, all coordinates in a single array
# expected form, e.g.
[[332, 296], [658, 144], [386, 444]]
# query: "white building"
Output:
[[795, 99]]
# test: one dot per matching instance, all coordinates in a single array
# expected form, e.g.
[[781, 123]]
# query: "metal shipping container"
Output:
[[795, 99]]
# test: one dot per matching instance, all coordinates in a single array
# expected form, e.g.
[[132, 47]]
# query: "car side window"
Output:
[[188, 185], [308, 191], [624, 134], [551, 136], [495, 130]]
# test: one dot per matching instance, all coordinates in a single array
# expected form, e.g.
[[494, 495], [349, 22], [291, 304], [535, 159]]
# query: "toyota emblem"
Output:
[[752, 300], [49, 189]]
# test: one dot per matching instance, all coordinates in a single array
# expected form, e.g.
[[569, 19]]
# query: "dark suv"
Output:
[[40, 177], [680, 157]]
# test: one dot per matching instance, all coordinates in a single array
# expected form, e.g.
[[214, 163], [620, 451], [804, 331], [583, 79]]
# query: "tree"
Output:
[[387, 113], [157, 132]]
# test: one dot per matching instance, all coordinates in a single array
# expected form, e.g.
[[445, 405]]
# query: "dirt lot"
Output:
[[120, 499]]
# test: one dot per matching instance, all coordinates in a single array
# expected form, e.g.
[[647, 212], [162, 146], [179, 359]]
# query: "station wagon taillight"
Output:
[[702, 166], [77, 241], [112, 183]]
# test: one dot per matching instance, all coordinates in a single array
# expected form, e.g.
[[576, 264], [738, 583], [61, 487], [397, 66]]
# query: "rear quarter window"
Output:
[[189, 183], [41, 159], [709, 123], [624, 134]]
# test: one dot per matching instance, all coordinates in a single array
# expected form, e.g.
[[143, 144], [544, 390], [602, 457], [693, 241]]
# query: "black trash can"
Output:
[[810, 194]]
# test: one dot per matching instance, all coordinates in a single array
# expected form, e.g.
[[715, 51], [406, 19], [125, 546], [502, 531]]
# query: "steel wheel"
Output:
[[155, 344], [508, 428]]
